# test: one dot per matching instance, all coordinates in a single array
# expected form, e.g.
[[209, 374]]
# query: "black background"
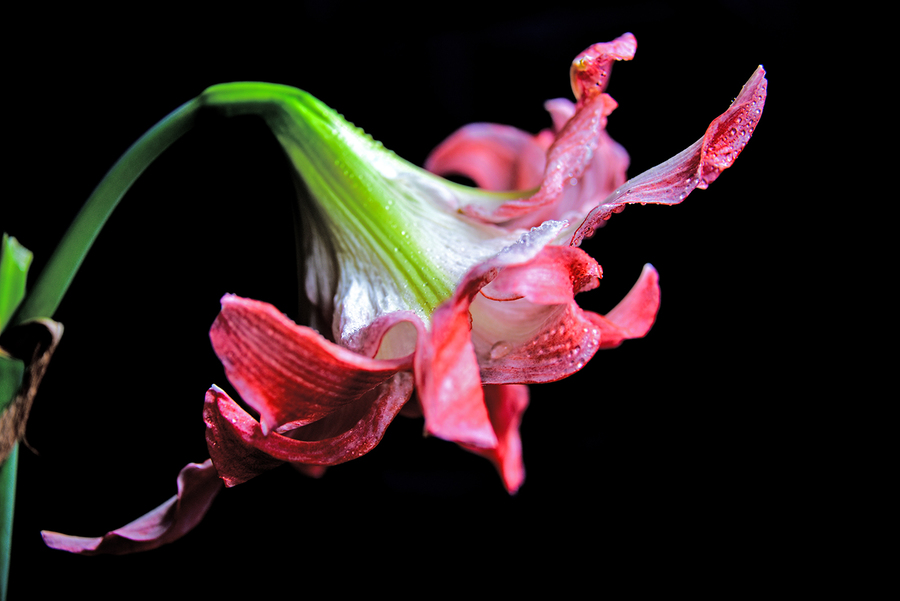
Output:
[[663, 461]]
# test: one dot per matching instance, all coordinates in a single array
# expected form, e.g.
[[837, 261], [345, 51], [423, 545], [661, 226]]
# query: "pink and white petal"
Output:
[[290, 374], [606, 171], [495, 157], [528, 328], [506, 405], [240, 450], [198, 485], [447, 370], [634, 315], [695, 167]]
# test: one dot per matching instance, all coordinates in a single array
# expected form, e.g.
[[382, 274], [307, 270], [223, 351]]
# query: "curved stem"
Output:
[[60, 270], [56, 277]]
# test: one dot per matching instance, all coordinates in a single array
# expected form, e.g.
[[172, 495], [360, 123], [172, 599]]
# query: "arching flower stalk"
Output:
[[429, 298]]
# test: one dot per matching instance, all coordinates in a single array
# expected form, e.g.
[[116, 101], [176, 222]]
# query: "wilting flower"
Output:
[[428, 297]]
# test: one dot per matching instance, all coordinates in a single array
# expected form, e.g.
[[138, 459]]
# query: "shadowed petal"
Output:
[[240, 450], [290, 374], [495, 157], [695, 167], [198, 485]]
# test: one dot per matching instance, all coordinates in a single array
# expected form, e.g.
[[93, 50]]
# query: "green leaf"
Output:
[[14, 262]]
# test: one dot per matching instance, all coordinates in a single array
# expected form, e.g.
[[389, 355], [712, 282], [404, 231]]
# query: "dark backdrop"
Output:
[[661, 461]]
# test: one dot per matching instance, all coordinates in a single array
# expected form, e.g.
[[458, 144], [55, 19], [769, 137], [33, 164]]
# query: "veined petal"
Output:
[[240, 450], [695, 167], [198, 485], [288, 373], [506, 405]]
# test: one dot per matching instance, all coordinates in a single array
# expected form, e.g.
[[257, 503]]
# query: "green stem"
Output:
[[60, 270], [56, 277], [7, 507]]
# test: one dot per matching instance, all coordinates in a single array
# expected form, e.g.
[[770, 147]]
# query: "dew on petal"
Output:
[[500, 350]]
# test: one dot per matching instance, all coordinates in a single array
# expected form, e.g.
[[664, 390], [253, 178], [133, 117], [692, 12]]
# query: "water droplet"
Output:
[[500, 350]]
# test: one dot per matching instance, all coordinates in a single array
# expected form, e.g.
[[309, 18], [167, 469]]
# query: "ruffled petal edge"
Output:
[[240, 450]]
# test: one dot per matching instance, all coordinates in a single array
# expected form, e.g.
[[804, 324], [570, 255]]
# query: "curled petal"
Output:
[[506, 405], [635, 314], [240, 450], [198, 485], [695, 167], [589, 73], [290, 374], [529, 328], [495, 157]]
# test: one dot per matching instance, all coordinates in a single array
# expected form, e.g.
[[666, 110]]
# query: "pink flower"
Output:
[[430, 298]]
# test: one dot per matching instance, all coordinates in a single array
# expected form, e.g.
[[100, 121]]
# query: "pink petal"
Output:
[[240, 450], [695, 167], [605, 172], [590, 70], [567, 159], [506, 405], [495, 157], [634, 315], [448, 381], [577, 141], [290, 374], [198, 485], [498, 157], [561, 110]]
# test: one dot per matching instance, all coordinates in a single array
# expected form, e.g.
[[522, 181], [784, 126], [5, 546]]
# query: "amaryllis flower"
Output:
[[427, 297]]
